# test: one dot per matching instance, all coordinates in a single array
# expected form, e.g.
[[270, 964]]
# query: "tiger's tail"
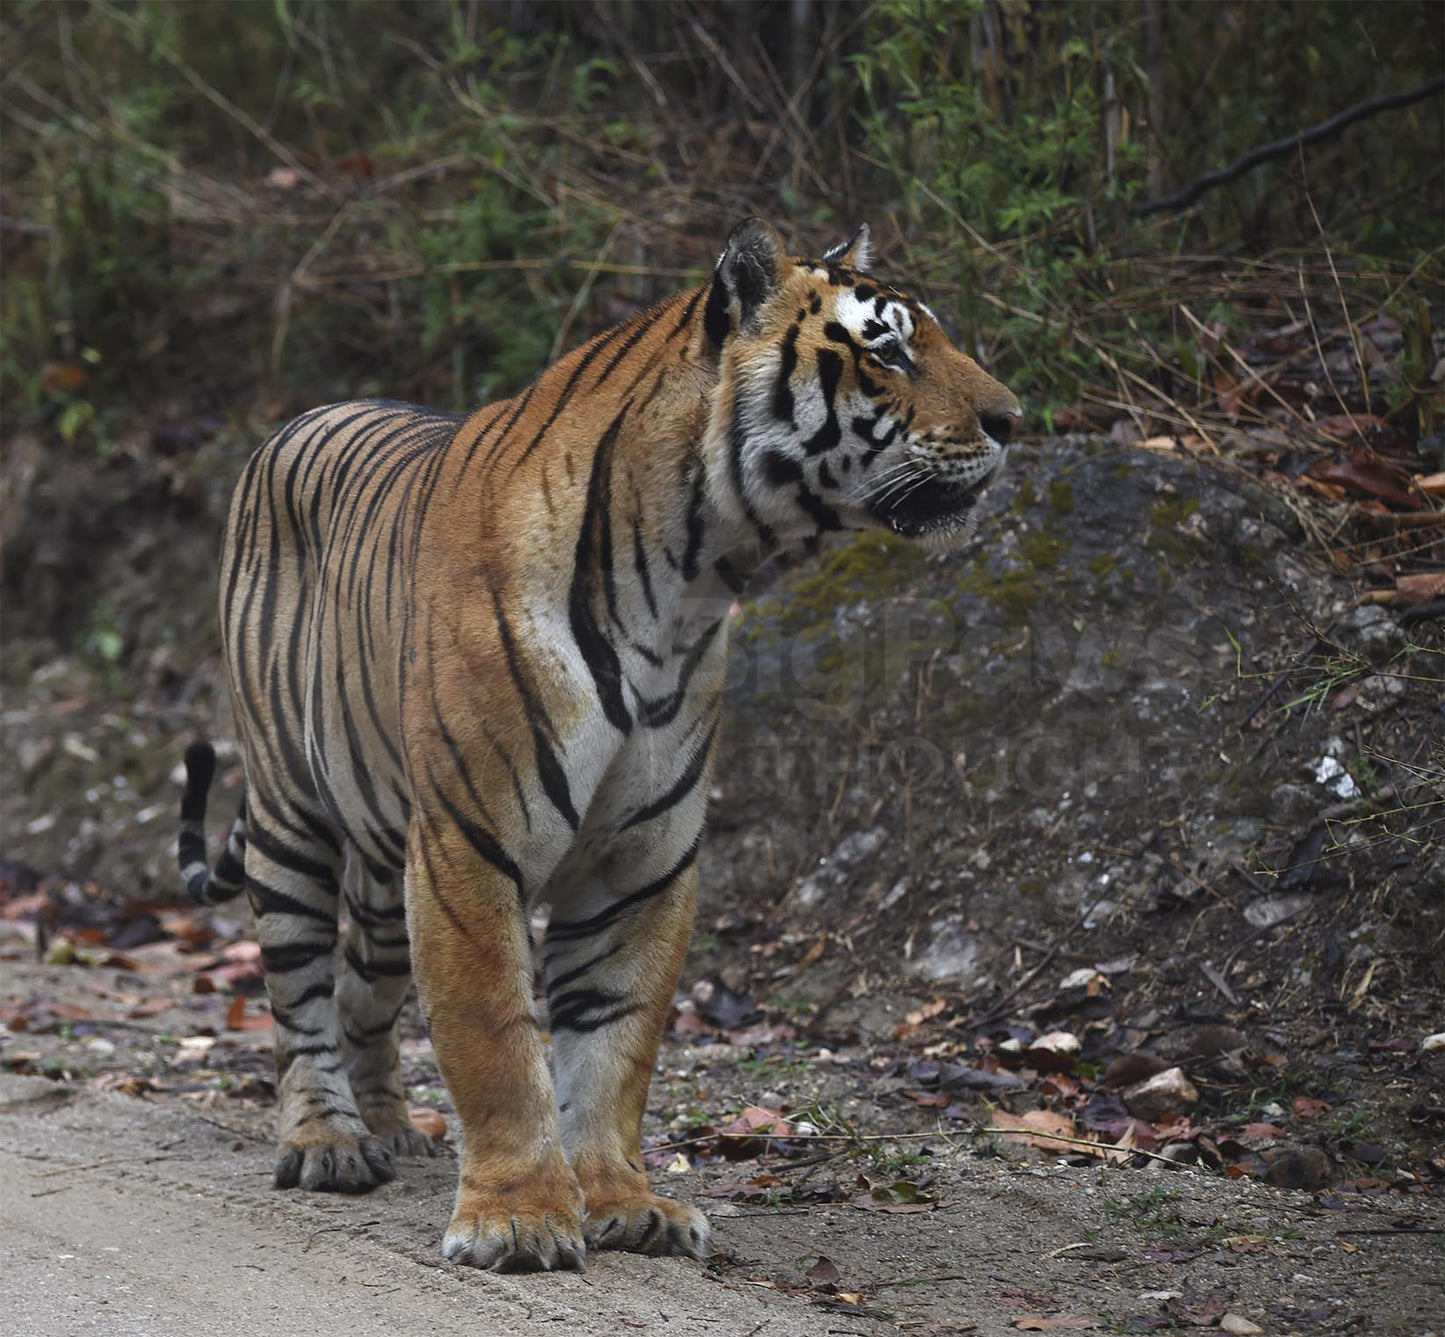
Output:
[[204, 885]]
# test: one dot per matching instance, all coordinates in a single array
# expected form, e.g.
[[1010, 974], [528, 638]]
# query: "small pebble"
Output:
[[1237, 1326], [1167, 1092]]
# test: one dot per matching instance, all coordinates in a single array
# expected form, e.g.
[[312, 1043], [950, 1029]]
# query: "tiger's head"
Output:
[[841, 402]]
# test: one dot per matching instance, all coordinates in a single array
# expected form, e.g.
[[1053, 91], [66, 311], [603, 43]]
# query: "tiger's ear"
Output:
[[856, 253], [748, 273]]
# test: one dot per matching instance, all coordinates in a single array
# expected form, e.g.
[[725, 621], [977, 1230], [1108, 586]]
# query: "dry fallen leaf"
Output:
[[151, 1007], [810, 957], [57, 378], [1370, 478], [824, 1271], [429, 1122], [237, 1020], [737, 1190], [248, 949], [1203, 1313], [928, 1011], [1263, 1131], [901, 1197], [1121, 1150], [1035, 1127]]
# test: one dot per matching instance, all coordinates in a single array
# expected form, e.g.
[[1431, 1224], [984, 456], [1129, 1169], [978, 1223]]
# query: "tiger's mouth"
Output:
[[938, 505]]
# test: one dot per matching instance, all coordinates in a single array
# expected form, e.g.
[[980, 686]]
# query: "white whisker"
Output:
[[904, 480]]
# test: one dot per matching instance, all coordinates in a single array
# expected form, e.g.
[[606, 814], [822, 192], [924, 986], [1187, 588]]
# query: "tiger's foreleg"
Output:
[[371, 992], [610, 983], [291, 882], [518, 1203]]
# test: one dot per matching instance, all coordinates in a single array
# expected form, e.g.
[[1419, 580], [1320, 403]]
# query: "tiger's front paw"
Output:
[[345, 1165], [518, 1231], [649, 1224], [396, 1132]]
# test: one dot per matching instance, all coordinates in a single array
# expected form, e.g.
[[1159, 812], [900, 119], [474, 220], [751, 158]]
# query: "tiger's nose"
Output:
[[1000, 426]]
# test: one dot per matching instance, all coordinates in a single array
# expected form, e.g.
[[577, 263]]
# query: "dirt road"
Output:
[[120, 1217], [136, 1222]]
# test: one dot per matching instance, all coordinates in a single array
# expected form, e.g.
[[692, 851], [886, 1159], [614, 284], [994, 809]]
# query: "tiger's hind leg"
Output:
[[371, 993], [293, 859], [610, 980]]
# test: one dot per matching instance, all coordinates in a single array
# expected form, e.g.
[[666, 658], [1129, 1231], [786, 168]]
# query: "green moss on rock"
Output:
[[1166, 534], [1171, 512], [1044, 548], [1026, 498], [872, 565]]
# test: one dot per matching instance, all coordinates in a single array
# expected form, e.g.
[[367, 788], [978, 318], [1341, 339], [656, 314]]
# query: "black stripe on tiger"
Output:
[[645, 323], [478, 837], [787, 365], [549, 769], [598, 346], [654, 714], [576, 973], [829, 434], [286, 957], [597, 650], [267, 900], [374, 970], [639, 561], [565, 931], [715, 318], [683, 786], [737, 444], [588, 1009]]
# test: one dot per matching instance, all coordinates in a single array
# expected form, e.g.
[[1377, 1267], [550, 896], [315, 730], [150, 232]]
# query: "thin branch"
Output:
[[1280, 148]]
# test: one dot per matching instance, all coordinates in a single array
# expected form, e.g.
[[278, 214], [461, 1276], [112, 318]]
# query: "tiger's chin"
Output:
[[949, 535], [939, 518]]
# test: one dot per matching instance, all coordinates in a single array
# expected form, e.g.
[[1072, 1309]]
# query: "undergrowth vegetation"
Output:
[[278, 204]]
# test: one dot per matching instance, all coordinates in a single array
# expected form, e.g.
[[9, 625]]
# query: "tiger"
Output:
[[476, 666]]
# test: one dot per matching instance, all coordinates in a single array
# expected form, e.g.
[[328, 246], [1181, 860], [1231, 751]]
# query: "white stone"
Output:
[[953, 954], [1167, 1092], [1328, 772], [1272, 910]]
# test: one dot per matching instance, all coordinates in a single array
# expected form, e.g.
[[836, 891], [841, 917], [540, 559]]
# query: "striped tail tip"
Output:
[[202, 885]]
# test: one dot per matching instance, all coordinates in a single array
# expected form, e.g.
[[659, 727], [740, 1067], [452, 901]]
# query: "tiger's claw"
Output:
[[650, 1225], [338, 1167], [517, 1243]]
